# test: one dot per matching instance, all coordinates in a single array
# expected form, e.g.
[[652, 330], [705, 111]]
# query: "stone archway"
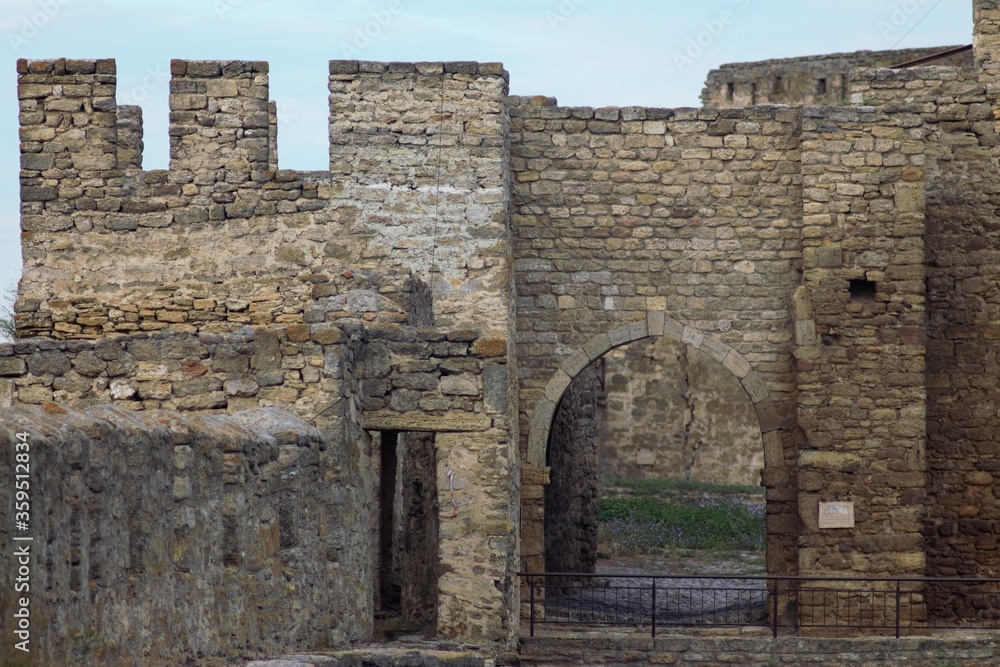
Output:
[[656, 324]]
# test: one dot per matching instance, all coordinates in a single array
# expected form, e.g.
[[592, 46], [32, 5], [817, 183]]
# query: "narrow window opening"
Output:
[[862, 290], [821, 87], [844, 88], [730, 91], [778, 85], [389, 588], [753, 95]]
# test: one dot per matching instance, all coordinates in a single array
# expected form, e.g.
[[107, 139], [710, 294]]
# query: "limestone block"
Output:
[[575, 363], [596, 347]]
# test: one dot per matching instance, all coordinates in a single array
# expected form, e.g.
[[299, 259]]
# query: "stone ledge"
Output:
[[387, 420]]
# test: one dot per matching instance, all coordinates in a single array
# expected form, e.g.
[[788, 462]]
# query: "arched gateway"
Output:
[[656, 324]]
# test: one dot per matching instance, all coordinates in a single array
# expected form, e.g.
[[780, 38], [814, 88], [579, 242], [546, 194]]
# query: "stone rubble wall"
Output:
[[159, 536], [342, 379], [799, 81], [409, 226], [619, 213]]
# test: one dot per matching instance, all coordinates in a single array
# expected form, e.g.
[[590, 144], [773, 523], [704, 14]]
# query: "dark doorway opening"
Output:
[[406, 539]]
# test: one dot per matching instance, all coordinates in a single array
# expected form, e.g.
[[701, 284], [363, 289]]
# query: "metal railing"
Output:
[[902, 605]]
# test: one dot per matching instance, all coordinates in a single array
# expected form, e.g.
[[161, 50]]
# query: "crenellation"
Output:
[[219, 116], [812, 80]]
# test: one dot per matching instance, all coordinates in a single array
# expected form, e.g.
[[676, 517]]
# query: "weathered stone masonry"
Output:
[[624, 216], [467, 256], [222, 240]]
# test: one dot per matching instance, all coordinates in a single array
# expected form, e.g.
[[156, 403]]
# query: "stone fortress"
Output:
[[270, 407]]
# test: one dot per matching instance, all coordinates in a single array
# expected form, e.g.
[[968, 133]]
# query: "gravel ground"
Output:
[[717, 601]]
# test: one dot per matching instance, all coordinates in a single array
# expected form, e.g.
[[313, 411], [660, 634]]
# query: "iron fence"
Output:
[[877, 606]]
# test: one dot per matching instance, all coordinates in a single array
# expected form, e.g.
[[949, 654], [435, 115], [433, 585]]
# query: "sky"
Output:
[[583, 52]]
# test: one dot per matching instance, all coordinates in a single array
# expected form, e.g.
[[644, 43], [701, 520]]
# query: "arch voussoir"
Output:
[[656, 324]]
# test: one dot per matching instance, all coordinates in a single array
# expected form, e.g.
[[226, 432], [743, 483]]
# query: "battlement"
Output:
[[221, 117], [417, 167]]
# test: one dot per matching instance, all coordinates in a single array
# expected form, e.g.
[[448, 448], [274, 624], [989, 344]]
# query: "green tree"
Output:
[[7, 331]]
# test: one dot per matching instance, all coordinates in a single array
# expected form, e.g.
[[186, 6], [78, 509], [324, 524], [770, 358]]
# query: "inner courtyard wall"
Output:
[[158, 536], [673, 412]]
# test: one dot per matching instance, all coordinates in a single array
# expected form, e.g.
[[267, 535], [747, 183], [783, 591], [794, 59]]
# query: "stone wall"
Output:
[[624, 214], [962, 353], [812, 80], [418, 168], [381, 377], [673, 412], [159, 536], [839, 263], [861, 342], [418, 531], [409, 226]]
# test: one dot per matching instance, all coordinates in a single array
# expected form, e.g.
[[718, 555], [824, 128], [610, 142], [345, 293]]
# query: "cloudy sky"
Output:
[[584, 52]]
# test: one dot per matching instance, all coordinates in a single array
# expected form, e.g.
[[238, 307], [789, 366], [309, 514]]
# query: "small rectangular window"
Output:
[[821, 87], [862, 290], [778, 85], [753, 95], [730, 91]]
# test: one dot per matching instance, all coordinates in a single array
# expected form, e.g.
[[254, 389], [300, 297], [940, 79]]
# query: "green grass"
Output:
[[654, 516], [668, 487]]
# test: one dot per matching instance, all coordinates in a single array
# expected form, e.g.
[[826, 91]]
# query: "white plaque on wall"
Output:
[[836, 515]]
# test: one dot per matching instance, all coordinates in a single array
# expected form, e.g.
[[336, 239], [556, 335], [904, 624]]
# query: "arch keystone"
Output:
[[637, 330], [654, 322], [673, 329]]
